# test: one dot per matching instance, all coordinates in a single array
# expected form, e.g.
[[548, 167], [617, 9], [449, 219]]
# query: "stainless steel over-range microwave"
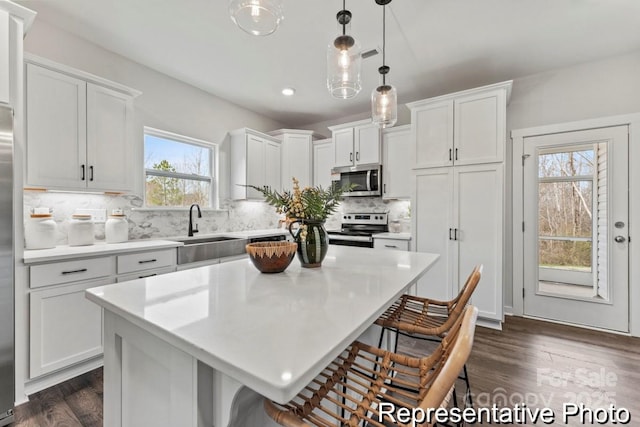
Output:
[[367, 179]]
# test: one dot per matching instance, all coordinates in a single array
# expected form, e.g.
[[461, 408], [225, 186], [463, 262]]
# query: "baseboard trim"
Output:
[[489, 323], [38, 384]]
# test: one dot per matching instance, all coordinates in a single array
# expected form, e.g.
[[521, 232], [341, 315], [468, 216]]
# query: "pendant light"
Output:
[[344, 61], [256, 17], [384, 98]]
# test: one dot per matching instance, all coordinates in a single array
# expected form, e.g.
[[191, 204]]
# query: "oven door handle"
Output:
[[350, 238]]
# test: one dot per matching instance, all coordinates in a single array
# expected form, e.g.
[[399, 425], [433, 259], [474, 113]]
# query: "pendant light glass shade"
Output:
[[344, 62], [384, 98], [256, 17], [384, 106]]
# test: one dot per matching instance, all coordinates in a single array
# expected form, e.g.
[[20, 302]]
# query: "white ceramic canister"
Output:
[[116, 229], [80, 231], [40, 231]]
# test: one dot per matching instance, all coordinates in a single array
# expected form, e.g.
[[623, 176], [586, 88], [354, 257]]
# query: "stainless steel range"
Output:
[[358, 229]]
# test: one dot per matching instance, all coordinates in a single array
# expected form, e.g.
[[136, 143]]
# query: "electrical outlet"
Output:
[[97, 215]]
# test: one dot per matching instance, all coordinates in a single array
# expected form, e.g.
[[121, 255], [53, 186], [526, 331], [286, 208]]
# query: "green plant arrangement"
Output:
[[314, 203], [309, 207]]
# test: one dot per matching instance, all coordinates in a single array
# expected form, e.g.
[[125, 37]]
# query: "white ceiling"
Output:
[[433, 46]]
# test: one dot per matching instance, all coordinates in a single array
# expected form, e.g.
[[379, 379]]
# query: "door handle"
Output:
[[351, 157], [450, 230], [619, 239], [456, 154], [357, 156], [90, 173], [82, 172], [384, 188], [455, 234], [450, 154]]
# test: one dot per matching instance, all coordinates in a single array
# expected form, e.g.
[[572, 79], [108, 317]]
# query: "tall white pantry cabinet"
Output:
[[458, 144]]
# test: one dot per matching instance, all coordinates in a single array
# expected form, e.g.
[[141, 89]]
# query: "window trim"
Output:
[[213, 165]]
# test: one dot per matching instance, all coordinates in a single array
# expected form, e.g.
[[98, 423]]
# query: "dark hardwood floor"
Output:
[[538, 363]]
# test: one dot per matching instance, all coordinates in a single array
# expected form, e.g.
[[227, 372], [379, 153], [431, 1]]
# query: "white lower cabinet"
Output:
[[458, 213], [65, 327], [143, 261], [393, 244]]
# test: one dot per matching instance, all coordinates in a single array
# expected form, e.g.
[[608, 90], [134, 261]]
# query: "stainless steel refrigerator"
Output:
[[6, 267]]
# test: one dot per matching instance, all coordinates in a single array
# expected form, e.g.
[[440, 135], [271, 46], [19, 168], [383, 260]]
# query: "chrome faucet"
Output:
[[193, 229]]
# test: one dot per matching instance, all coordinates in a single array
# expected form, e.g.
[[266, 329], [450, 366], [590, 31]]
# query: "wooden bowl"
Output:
[[272, 257]]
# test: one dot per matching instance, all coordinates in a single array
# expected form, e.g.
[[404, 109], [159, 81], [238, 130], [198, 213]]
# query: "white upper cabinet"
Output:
[[296, 156], [356, 143], [109, 122], [56, 129], [256, 159], [15, 20], [396, 172], [79, 133], [462, 128], [323, 157]]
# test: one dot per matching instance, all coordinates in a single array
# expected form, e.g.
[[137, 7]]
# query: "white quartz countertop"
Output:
[[397, 236], [101, 248], [272, 332]]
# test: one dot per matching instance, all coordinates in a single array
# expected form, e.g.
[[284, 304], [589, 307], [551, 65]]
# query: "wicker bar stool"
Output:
[[429, 319], [351, 390]]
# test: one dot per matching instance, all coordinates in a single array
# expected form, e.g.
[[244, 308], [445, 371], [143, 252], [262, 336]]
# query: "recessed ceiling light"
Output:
[[288, 91]]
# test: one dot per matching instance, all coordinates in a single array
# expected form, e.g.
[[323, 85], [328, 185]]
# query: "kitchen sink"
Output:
[[206, 248]]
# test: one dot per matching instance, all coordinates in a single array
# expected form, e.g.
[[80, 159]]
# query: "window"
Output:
[[567, 198], [179, 170]]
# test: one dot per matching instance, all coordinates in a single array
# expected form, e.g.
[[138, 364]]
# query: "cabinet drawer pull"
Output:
[[90, 173], [384, 188], [390, 246], [357, 156], [82, 270], [82, 167], [450, 230], [147, 261], [450, 154], [148, 275], [456, 154], [351, 157]]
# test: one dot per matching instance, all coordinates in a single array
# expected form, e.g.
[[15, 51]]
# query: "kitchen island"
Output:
[[201, 347]]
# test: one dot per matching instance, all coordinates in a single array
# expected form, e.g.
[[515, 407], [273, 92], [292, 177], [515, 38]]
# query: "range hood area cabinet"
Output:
[[256, 159], [296, 156], [397, 181], [79, 130], [458, 203], [356, 143], [323, 157]]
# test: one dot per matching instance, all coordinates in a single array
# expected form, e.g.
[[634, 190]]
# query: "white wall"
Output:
[[595, 89]]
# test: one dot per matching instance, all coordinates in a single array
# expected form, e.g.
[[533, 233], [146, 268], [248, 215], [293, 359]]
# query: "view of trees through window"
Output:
[[565, 208], [177, 173]]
